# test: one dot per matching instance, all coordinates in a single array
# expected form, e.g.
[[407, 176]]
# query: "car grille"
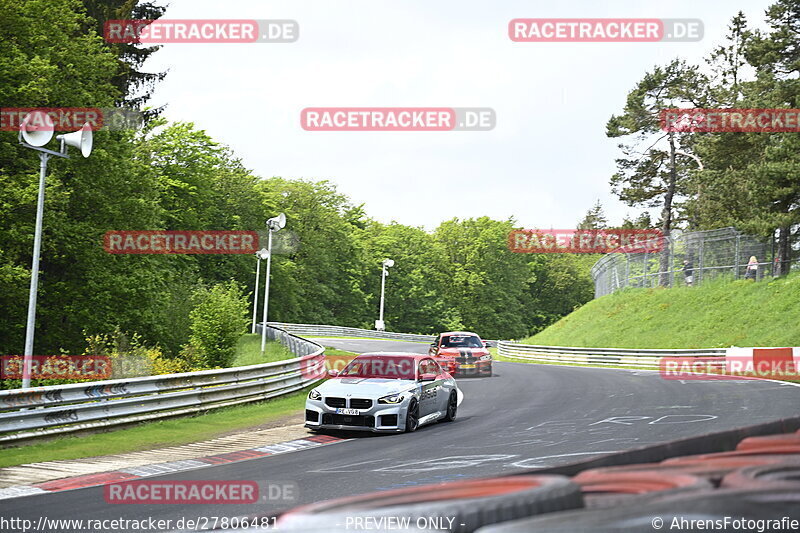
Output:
[[388, 420], [312, 416], [349, 420], [335, 402], [465, 360], [360, 403]]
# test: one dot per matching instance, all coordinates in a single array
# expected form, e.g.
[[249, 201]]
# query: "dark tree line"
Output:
[[703, 180], [173, 176]]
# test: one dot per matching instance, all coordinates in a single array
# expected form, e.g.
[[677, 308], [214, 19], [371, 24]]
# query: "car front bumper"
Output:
[[379, 418], [471, 368]]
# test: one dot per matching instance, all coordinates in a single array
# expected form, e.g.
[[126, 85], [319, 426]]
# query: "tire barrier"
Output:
[[785, 475], [774, 450], [608, 487], [461, 506], [741, 508], [769, 441], [712, 470], [733, 488]]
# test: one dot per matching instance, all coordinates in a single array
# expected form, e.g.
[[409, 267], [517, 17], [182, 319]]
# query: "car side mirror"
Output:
[[427, 377], [333, 373]]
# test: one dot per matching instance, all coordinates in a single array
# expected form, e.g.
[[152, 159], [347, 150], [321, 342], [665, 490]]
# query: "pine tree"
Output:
[[652, 176], [595, 218], [135, 85]]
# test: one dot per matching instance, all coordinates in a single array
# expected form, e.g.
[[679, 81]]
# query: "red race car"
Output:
[[462, 353]]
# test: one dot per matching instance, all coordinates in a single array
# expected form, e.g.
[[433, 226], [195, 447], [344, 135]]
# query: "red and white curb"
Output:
[[156, 469]]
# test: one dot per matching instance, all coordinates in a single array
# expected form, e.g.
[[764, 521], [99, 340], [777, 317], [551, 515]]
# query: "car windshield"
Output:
[[461, 341], [380, 367]]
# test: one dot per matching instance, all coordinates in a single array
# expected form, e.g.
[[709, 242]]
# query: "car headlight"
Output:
[[486, 357], [391, 399], [314, 395]]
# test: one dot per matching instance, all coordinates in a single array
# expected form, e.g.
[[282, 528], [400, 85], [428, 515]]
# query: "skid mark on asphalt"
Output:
[[542, 462], [446, 463], [412, 467]]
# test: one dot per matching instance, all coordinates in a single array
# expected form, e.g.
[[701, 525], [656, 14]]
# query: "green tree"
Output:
[[652, 176], [219, 318], [416, 288], [135, 85], [595, 218], [487, 282], [752, 180], [321, 274]]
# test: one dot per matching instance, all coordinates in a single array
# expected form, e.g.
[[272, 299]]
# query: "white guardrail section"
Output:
[[314, 330], [40, 411], [645, 359]]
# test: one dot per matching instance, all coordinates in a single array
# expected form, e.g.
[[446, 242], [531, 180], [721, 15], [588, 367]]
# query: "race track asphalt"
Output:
[[525, 416]]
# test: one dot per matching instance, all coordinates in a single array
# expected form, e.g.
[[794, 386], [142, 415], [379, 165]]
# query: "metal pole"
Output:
[[383, 287], [698, 278], [266, 292], [255, 292], [37, 246]]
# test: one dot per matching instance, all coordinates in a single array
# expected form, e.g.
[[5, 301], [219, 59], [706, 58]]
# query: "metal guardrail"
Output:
[[40, 411], [322, 330], [644, 359]]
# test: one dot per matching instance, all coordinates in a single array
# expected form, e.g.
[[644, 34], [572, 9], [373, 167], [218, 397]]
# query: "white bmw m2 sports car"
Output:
[[384, 392]]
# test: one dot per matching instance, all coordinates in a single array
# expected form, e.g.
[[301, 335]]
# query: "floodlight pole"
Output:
[[266, 293], [35, 140], [44, 156], [274, 224], [384, 272], [255, 290], [383, 290]]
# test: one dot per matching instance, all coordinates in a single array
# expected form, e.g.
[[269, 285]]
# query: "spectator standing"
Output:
[[688, 271], [752, 268]]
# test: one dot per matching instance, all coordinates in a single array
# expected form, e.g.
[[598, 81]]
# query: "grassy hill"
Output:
[[716, 314]]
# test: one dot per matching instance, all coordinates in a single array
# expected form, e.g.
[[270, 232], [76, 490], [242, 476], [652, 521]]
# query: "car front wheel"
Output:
[[412, 417], [452, 407]]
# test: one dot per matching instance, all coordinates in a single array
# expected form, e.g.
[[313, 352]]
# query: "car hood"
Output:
[[463, 352], [364, 387]]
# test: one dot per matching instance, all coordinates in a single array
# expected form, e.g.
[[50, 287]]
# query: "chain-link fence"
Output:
[[687, 259]]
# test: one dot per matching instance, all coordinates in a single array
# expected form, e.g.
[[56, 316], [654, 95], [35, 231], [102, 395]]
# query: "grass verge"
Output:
[[716, 314], [248, 351]]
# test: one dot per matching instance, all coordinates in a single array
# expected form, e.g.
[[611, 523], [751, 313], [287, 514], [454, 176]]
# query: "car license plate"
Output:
[[347, 412], [467, 366]]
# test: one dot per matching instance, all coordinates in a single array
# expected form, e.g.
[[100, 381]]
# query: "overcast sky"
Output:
[[545, 163]]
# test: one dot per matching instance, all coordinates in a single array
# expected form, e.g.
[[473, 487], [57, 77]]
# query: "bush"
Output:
[[218, 319]]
